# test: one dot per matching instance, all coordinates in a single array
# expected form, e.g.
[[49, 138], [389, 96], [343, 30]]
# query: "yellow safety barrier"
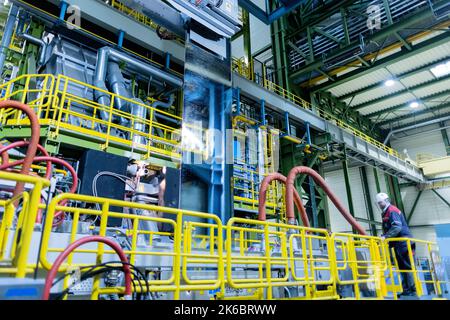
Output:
[[283, 258], [56, 105], [15, 249], [395, 268], [182, 256], [365, 259]]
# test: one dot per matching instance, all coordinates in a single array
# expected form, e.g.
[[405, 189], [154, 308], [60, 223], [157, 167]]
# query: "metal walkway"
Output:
[[356, 148]]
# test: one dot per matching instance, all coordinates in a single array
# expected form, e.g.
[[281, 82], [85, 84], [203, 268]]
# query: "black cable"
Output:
[[91, 272]]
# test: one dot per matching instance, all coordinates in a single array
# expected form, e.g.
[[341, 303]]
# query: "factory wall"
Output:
[[336, 180], [430, 210]]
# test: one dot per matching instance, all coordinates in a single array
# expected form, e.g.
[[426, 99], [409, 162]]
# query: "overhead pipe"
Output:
[[118, 86], [106, 54], [33, 40], [34, 141], [269, 18], [262, 200], [164, 105], [415, 126], [290, 189]]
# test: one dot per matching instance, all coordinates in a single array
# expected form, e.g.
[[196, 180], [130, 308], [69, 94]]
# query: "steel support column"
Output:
[[414, 206], [368, 200]]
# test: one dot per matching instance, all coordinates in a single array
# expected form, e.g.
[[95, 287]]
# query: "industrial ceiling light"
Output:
[[441, 69], [389, 83], [414, 105]]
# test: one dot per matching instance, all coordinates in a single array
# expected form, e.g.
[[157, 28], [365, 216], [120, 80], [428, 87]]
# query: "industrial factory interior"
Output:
[[225, 150]]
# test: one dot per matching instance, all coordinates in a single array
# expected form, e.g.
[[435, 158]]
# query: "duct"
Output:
[[118, 86], [106, 54], [7, 34], [140, 112], [165, 105], [415, 126]]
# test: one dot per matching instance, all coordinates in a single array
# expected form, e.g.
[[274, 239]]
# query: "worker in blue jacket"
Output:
[[395, 226]]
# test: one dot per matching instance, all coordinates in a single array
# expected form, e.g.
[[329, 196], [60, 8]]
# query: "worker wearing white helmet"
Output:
[[395, 226]]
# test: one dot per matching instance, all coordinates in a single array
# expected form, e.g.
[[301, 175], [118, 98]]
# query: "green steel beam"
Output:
[[414, 206], [247, 36], [329, 36], [401, 76], [441, 197], [382, 63], [281, 61], [405, 105], [397, 93], [445, 138], [348, 187], [441, 116], [414, 114], [377, 180], [366, 190]]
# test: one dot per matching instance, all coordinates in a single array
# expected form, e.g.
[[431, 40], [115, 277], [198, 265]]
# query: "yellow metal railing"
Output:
[[15, 247], [246, 70], [181, 256], [138, 16], [365, 258], [55, 104], [264, 259], [395, 269]]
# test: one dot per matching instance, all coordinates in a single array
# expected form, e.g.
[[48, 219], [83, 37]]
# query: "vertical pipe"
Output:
[[287, 123], [263, 112], [8, 33], [312, 194], [364, 179], [167, 64], [62, 13], [308, 133], [121, 38], [348, 186], [238, 100]]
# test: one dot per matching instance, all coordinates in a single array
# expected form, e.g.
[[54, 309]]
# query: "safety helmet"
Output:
[[382, 197]]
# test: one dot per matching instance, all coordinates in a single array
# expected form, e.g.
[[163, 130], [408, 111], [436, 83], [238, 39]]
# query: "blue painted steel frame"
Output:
[[269, 18]]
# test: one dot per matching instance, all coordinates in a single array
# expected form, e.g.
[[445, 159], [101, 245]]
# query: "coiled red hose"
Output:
[[54, 270], [34, 141], [263, 196], [321, 182], [4, 151], [59, 215]]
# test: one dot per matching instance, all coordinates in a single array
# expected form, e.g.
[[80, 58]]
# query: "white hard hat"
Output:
[[382, 197]]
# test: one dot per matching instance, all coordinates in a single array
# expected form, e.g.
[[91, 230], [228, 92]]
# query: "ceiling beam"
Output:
[[391, 59], [404, 105], [414, 114], [405, 90], [400, 76]]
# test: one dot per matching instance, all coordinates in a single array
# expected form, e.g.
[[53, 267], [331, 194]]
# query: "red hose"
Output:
[[35, 134], [262, 200], [61, 162], [4, 155], [321, 182], [4, 151], [54, 270]]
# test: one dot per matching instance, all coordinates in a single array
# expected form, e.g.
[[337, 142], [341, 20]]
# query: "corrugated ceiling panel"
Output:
[[380, 91], [391, 102], [417, 79], [432, 89], [361, 82]]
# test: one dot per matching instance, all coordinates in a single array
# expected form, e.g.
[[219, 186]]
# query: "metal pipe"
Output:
[[290, 189], [415, 126], [7, 34], [164, 105], [118, 86], [140, 112], [106, 53], [262, 200]]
